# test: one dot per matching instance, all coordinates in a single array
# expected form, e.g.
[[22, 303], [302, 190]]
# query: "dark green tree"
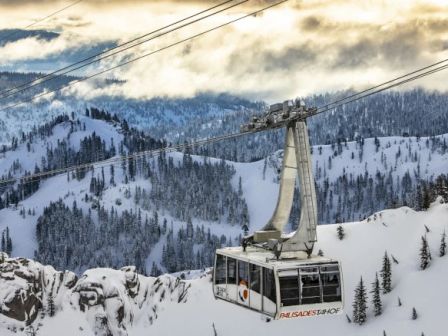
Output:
[[425, 254], [50, 306], [340, 232], [386, 274], [360, 304], [442, 250], [376, 298]]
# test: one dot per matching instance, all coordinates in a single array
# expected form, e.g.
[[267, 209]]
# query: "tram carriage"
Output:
[[295, 286], [273, 273]]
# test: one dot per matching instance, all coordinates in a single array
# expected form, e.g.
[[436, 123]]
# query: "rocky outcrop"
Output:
[[20, 292], [110, 300]]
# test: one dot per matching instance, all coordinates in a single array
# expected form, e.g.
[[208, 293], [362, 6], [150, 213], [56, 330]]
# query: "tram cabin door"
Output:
[[245, 283]]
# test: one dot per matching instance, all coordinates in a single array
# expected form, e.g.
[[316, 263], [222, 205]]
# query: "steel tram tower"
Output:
[[296, 162]]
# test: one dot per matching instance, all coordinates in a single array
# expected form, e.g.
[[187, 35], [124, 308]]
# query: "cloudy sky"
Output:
[[294, 49]]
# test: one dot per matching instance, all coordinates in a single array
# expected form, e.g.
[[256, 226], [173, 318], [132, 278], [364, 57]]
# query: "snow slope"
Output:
[[396, 231], [361, 255], [417, 155]]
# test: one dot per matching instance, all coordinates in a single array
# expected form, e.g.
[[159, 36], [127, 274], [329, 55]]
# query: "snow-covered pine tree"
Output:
[[442, 250], [386, 274], [50, 306], [414, 315], [399, 302], [376, 298], [425, 254], [360, 304], [340, 232]]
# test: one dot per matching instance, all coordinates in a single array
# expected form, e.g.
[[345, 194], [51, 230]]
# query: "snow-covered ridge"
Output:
[[394, 165], [102, 292], [30, 157]]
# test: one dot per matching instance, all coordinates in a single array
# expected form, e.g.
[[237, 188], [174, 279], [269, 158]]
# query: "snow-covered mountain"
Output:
[[416, 113], [169, 213], [120, 302]]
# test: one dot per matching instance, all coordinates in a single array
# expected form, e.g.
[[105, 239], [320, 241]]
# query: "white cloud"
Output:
[[295, 49]]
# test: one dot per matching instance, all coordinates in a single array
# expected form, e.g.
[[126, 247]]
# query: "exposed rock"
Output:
[[20, 293], [110, 299], [132, 283]]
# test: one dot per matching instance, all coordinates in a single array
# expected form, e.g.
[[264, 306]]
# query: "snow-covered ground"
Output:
[[416, 155], [397, 231]]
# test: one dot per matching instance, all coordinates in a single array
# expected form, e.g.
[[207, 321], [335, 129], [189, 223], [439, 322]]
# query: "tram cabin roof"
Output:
[[266, 258]]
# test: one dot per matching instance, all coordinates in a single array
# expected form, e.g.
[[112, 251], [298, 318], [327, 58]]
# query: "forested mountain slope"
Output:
[[169, 213], [416, 113]]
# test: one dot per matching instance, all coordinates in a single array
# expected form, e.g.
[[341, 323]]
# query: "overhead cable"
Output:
[[94, 58]]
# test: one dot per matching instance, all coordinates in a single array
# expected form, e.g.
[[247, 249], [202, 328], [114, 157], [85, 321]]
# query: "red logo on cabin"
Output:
[[243, 291]]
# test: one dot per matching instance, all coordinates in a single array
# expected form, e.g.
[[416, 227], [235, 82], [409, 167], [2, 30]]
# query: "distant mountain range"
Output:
[[13, 35]]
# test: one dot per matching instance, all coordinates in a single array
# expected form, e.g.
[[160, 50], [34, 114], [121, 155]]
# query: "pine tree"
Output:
[[376, 299], [360, 304], [386, 274], [8, 242], [50, 306], [442, 250], [320, 253], [341, 233], [414, 315], [265, 163], [425, 254], [3, 247], [399, 302]]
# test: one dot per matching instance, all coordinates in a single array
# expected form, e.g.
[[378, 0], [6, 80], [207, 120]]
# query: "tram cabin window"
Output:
[[255, 277], [220, 272], [310, 282], [231, 271], [243, 273], [269, 284], [331, 283], [289, 288]]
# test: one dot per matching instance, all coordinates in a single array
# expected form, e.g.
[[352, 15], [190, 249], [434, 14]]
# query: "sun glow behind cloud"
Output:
[[295, 49]]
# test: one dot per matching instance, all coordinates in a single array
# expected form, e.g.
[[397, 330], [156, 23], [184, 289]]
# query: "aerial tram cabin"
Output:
[[286, 288], [274, 273]]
